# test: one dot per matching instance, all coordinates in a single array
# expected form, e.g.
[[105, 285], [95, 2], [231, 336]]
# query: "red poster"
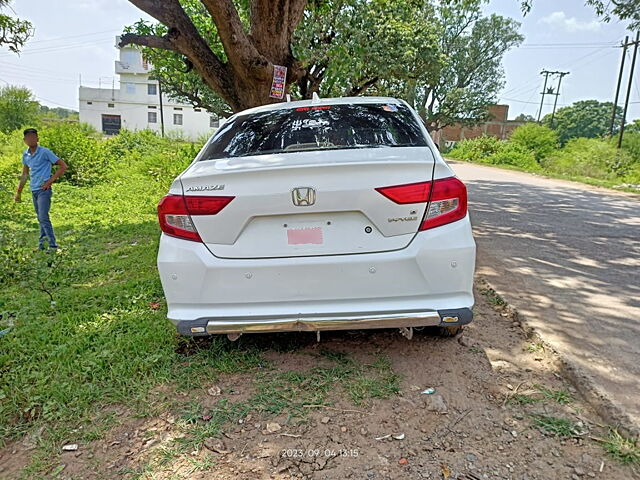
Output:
[[279, 80]]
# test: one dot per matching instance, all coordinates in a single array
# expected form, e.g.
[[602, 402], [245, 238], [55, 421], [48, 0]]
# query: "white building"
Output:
[[135, 105]]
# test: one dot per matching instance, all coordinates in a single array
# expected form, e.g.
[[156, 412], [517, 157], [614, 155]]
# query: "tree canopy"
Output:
[[445, 60], [586, 118], [14, 32], [17, 108]]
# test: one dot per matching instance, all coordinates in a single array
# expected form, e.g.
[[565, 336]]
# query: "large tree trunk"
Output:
[[244, 80]]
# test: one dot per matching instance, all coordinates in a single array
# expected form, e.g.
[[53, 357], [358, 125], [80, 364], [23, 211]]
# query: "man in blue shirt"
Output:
[[39, 160]]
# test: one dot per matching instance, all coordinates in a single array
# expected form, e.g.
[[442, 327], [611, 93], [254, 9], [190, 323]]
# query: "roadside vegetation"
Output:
[[576, 148]]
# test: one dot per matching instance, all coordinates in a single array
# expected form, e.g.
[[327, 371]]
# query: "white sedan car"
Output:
[[317, 215]]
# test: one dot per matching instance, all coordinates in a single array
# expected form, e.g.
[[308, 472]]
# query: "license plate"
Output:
[[305, 236]]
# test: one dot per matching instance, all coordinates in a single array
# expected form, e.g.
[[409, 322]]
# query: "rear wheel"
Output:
[[450, 331]]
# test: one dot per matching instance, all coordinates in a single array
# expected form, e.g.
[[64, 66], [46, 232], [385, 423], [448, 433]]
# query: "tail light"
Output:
[[410, 193], [175, 211], [447, 199], [447, 204]]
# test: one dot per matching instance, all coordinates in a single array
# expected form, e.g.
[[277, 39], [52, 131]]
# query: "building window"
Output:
[[196, 109], [152, 117], [89, 103], [177, 108], [152, 89], [152, 106], [131, 88], [110, 105], [214, 122], [177, 119]]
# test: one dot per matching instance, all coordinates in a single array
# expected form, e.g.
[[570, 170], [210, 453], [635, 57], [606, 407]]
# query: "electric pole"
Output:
[[626, 101], [546, 74], [625, 45], [557, 94], [550, 91]]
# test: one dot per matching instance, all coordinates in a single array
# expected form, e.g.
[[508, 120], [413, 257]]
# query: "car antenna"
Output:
[[315, 98]]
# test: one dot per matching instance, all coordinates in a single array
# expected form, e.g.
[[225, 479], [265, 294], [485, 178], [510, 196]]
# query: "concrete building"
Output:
[[135, 104], [497, 126]]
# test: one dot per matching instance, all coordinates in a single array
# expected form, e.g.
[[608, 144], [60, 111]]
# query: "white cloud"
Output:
[[570, 24]]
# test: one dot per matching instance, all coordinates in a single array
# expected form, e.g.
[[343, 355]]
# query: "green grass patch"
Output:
[[559, 396], [622, 449], [492, 296], [522, 399], [557, 426]]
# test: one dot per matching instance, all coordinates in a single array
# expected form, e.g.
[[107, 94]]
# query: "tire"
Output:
[[450, 331]]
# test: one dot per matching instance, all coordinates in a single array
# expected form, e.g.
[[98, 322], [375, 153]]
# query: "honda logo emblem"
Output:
[[303, 196]]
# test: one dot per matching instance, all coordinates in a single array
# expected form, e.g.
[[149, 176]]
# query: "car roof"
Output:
[[321, 101]]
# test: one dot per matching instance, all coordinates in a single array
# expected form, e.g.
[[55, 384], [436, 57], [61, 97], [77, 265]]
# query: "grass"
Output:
[[535, 347], [559, 396], [522, 399], [492, 296], [622, 449], [557, 426]]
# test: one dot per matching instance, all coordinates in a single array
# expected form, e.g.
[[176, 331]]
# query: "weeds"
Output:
[[560, 427], [622, 449]]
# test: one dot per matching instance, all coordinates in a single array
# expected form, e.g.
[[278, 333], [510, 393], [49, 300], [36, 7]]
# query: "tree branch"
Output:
[[185, 39], [242, 53], [151, 41]]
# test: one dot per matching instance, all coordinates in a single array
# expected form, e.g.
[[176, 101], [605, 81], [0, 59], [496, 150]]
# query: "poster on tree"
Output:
[[279, 78]]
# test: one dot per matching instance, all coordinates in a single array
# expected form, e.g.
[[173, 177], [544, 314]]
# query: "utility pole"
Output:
[[546, 74], [626, 101], [625, 45], [161, 109], [557, 94]]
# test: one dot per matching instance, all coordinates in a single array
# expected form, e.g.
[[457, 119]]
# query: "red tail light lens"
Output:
[[174, 213], [447, 199], [206, 205], [448, 203], [409, 193]]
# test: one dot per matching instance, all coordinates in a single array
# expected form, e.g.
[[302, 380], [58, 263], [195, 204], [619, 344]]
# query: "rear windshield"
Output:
[[319, 127]]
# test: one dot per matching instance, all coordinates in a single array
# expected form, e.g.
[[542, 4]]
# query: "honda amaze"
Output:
[[317, 215]]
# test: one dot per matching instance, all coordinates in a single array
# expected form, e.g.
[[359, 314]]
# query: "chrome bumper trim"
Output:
[[319, 323]]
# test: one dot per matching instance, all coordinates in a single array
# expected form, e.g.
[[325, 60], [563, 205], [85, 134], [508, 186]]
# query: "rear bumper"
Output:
[[408, 287], [310, 323]]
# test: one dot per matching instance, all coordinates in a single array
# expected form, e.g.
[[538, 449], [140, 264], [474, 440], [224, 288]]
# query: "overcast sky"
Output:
[[75, 38]]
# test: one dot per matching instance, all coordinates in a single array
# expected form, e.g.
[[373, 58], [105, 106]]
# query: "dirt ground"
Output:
[[491, 385]]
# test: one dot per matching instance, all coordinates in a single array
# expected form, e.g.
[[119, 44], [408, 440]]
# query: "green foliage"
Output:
[[590, 157], [477, 149], [14, 32], [88, 322], [587, 118], [81, 148], [625, 450], [18, 108], [514, 155], [444, 59], [538, 139]]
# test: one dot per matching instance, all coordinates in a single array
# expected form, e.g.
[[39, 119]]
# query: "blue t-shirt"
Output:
[[39, 164]]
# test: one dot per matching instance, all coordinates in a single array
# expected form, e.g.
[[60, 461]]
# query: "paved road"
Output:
[[567, 256]]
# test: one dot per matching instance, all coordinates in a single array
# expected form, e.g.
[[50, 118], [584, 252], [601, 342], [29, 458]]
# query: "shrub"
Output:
[[477, 149], [81, 148], [514, 155], [591, 157], [538, 139], [631, 143]]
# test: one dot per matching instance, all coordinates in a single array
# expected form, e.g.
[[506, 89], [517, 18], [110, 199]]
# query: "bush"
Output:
[[538, 139], [631, 143], [591, 157], [514, 155], [81, 148], [477, 149]]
